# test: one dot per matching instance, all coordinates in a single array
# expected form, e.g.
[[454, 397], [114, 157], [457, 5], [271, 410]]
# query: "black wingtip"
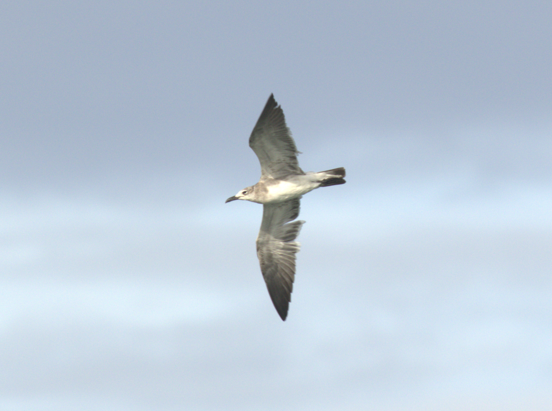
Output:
[[281, 303], [282, 313], [271, 102]]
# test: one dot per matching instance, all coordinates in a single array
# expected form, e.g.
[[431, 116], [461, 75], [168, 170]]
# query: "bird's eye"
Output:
[[244, 192]]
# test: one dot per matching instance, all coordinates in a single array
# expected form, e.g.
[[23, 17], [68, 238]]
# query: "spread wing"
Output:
[[276, 250], [272, 142]]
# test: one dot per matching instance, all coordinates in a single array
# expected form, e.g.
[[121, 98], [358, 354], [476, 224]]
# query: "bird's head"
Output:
[[245, 194]]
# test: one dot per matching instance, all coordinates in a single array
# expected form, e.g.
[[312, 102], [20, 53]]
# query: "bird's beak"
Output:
[[232, 199]]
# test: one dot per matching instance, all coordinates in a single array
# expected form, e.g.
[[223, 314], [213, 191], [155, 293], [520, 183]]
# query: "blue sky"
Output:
[[423, 283]]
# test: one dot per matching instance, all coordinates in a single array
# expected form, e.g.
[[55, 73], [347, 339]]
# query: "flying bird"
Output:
[[279, 190]]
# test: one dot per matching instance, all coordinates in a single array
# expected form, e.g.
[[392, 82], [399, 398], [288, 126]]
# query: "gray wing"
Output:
[[276, 250], [272, 142]]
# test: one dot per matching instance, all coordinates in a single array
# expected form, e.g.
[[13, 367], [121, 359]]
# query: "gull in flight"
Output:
[[279, 190]]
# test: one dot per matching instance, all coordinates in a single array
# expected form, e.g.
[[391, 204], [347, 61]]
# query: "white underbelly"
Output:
[[286, 190]]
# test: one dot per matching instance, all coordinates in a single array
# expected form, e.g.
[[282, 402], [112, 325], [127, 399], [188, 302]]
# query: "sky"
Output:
[[424, 283]]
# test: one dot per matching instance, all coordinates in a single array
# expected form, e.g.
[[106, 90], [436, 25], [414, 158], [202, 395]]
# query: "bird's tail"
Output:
[[332, 177]]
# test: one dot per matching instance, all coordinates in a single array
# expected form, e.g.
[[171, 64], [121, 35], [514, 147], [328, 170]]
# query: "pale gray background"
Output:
[[424, 283]]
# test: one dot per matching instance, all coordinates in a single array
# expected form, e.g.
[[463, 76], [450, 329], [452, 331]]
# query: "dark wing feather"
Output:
[[272, 142], [276, 251]]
